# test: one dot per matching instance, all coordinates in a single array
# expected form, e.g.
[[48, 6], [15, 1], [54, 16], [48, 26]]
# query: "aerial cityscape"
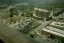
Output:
[[32, 21]]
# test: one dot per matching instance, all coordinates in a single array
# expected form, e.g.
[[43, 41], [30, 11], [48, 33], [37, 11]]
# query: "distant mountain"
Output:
[[12, 2], [59, 1]]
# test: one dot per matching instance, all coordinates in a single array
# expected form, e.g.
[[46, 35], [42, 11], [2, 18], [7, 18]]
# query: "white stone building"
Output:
[[41, 13]]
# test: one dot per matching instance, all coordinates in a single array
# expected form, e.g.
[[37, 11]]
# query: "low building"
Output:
[[58, 25], [8, 12], [4, 13], [54, 31]]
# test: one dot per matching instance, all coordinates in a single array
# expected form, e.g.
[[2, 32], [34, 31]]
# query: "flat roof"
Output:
[[39, 9], [54, 31]]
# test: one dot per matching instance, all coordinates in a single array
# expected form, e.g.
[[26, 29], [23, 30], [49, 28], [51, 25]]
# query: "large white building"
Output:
[[41, 13]]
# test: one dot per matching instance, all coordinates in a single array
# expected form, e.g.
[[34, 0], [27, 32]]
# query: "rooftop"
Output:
[[39, 9]]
